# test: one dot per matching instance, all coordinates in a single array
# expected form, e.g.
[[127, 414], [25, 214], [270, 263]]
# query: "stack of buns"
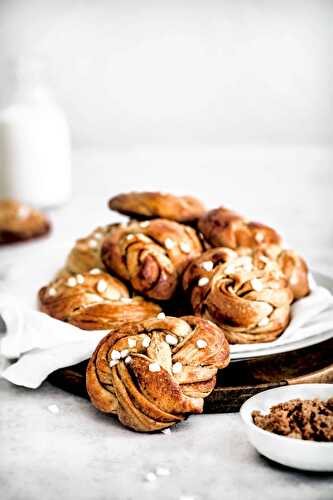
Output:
[[174, 285]]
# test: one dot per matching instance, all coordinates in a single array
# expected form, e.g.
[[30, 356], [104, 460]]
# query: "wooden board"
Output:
[[239, 380]]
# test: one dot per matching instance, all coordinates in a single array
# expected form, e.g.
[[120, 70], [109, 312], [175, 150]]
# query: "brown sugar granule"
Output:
[[310, 419]]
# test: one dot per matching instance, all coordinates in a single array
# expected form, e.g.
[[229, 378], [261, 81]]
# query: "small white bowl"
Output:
[[297, 453]]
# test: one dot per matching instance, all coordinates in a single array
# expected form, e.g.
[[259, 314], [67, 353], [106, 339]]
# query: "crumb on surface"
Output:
[[53, 409]]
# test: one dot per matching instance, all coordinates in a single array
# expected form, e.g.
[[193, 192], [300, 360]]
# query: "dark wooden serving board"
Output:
[[239, 380]]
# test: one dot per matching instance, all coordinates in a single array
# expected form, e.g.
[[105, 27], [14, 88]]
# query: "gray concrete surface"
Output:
[[81, 454]]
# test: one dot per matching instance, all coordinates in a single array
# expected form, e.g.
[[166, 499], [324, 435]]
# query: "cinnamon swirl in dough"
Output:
[[94, 301], [222, 227], [151, 255], [151, 374], [249, 303], [291, 264]]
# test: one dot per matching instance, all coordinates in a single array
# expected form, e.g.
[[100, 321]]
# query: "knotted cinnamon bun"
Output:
[[251, 304], [151, 374], [94, 301], [146, 205], [151, 255], [20, 223], [222, 227]]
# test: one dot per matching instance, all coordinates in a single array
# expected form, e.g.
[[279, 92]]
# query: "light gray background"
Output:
[[181, 72]]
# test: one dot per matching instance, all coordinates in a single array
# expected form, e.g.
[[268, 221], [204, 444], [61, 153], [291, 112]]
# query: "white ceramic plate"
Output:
[[290, 346], [27, 275], [300, 454]]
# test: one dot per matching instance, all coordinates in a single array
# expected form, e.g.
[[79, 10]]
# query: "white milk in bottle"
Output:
[[35, 153]]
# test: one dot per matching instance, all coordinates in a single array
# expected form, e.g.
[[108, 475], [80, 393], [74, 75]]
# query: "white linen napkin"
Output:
[[41, 344]]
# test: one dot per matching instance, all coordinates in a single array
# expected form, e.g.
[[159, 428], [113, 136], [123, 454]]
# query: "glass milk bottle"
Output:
[[35, 154]]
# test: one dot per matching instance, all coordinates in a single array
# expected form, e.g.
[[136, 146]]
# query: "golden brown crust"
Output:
[[291, 264], [86, 253], [151, 255], [222, 227], [251, 304], [19, 222], [151, 374], [296, 271], [146, 205], [94, 302]]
